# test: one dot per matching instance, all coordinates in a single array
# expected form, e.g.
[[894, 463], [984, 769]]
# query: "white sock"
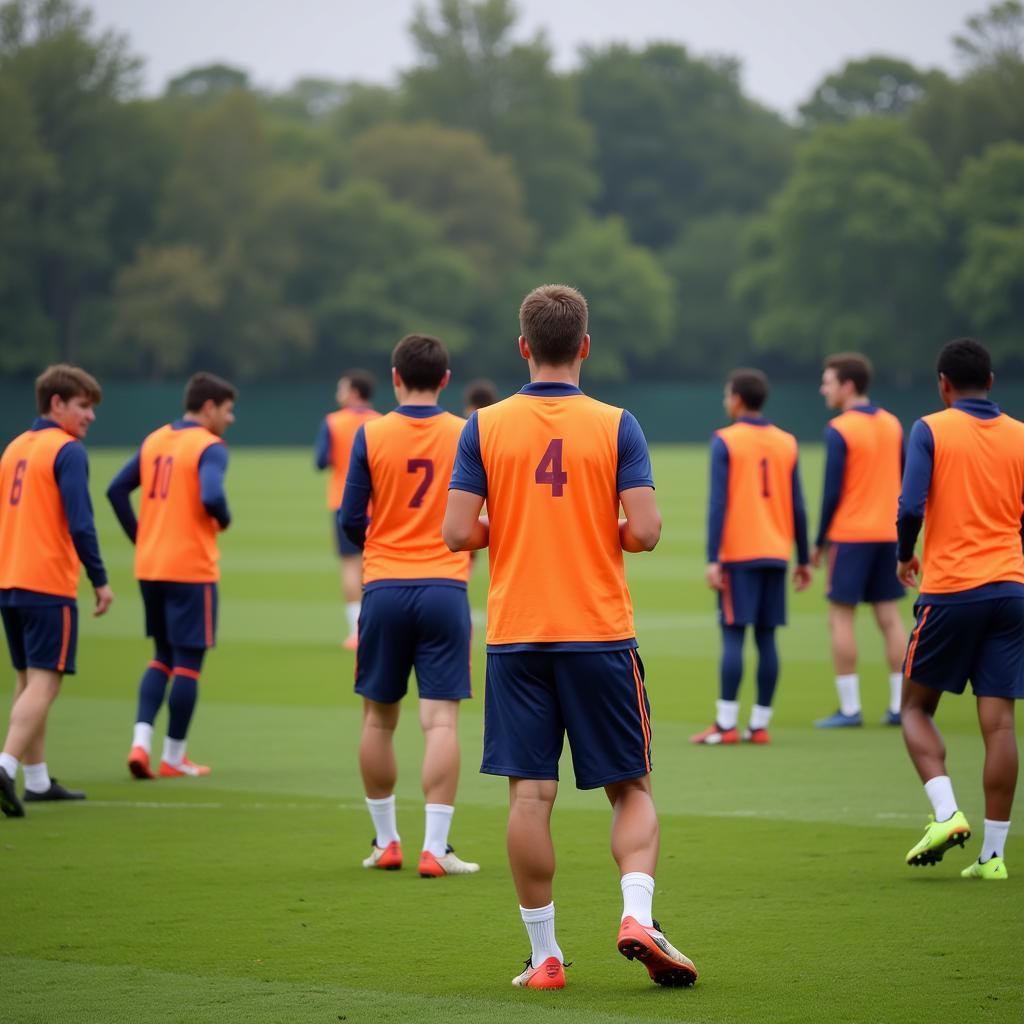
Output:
[[439, 820], [637, 897], [895, 691], [540, 926], [995, 839], [849, 693], [940, 792], [352, 613], [142, 736], [174, 750], [760, 716], [727, 713], [9, 763], [383, 814], [37, 778]]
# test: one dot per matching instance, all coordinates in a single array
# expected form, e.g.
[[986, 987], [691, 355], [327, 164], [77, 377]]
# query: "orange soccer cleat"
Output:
[[448, 864], [756, 736], [387, 858], [138, 763], [187, 768], [550, 974], [664, 963], [712, 736]]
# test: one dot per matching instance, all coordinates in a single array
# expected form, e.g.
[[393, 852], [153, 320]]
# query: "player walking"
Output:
[[46, 534], [415, 611], [183, 507], [553, 466], [965, 478], [333, 447], [755, 513], [863, 466]]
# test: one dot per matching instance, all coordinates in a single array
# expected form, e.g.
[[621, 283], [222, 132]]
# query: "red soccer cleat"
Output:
[[550, 974], [387, 858], [664, 963], [138, 763], [756, 736], [185, 769], [712, 736]]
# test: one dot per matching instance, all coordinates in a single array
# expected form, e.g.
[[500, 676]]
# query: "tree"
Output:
[[876, 86], [472, 74], [994, 38], [676, 138], [850, 251], [208, 84]]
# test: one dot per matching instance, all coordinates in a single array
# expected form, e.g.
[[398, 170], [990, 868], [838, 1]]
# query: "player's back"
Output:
[[759, 521], [975, 502], [342, 426], [177, 537], [410, 458], [36, 550], [557, 572], [871, 477]]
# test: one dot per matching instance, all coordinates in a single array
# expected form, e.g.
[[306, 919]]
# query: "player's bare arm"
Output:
[[104, 599], [713, 575], [641, 529], [801, 577], [907, 572], [464, 529]]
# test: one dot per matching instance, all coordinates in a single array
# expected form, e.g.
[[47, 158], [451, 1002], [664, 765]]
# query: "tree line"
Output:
[[271, 235]]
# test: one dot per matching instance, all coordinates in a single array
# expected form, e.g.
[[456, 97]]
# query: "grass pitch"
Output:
[[240, 897]]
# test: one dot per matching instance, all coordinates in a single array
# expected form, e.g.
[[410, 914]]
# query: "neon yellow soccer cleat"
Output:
[[993, 870], [940, 836]]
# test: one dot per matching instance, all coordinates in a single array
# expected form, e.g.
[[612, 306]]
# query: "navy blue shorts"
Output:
[[535, 698], [42, 636], [345, 547], [426, 627], [982, 641], [180, 614], [752, 597], [863, 573]]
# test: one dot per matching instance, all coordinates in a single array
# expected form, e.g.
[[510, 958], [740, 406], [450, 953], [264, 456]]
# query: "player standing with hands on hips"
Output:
[[553, 467]]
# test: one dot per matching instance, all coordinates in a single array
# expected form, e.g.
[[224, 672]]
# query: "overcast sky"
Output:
[[786, 46]]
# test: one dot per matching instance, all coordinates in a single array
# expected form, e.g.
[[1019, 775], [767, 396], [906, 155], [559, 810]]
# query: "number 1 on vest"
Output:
[[765, 493], [549, 470]]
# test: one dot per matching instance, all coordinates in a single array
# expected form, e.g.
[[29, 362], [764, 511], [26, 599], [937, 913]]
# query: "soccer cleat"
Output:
[[9, 802], [713, 736], [664, 963], [840, 721], [387, 858], [550, 974], [891, 718], [939, 836], [138, 763], [350, 643], [55, 792], [756, 736], [449, 864], [992, 870], [186, 769]]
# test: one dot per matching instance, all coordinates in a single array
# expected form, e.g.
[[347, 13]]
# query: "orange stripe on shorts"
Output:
[[727, 612], [65, 640], [913, 641], [645, 723]]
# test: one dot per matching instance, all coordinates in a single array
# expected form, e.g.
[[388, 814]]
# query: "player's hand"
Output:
[[713, 574], [801, 578], [817, 556], [907, 572], [104, 599]]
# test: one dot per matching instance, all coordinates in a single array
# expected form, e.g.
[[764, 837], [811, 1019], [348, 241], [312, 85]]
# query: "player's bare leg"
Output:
[[379, 770], [844, 657], [894, 633], [995, 715], [36, 690], [635, 833], [351, 571]]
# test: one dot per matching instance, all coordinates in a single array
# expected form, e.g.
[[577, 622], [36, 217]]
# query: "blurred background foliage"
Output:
[[287, 235]]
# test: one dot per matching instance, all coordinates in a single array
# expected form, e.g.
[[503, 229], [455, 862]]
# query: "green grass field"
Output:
[[240, 897]]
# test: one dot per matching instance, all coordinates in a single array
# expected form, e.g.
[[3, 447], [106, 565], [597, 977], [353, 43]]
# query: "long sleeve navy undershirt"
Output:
[[322, 448], [917, 480], [355, 502], [832, 491], [71, 471]]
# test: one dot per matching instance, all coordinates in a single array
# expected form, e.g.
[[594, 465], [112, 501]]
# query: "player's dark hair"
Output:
[[966, 364], [479, 394], [202, 387], [360, 381], [854, 367], [421, 362], [750, 386], [553, 320], [66, 382]]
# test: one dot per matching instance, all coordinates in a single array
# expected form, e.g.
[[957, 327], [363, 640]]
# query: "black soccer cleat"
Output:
[[55, 792], [9, 802]]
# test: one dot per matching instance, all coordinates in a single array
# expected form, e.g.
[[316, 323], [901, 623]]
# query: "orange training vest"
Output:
[[342, 426]]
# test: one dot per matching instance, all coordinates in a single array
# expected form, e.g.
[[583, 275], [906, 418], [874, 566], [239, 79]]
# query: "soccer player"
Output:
[[183, 507], [479, 394], [46, 535], [755, 513], [415, 611], [965, 479], [554, 466], [863, 467], [333, 445]]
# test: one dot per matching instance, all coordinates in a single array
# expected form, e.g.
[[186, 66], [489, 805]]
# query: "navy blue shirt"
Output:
[[917, 480], [213, 466], [718, 498], [71, 473]]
